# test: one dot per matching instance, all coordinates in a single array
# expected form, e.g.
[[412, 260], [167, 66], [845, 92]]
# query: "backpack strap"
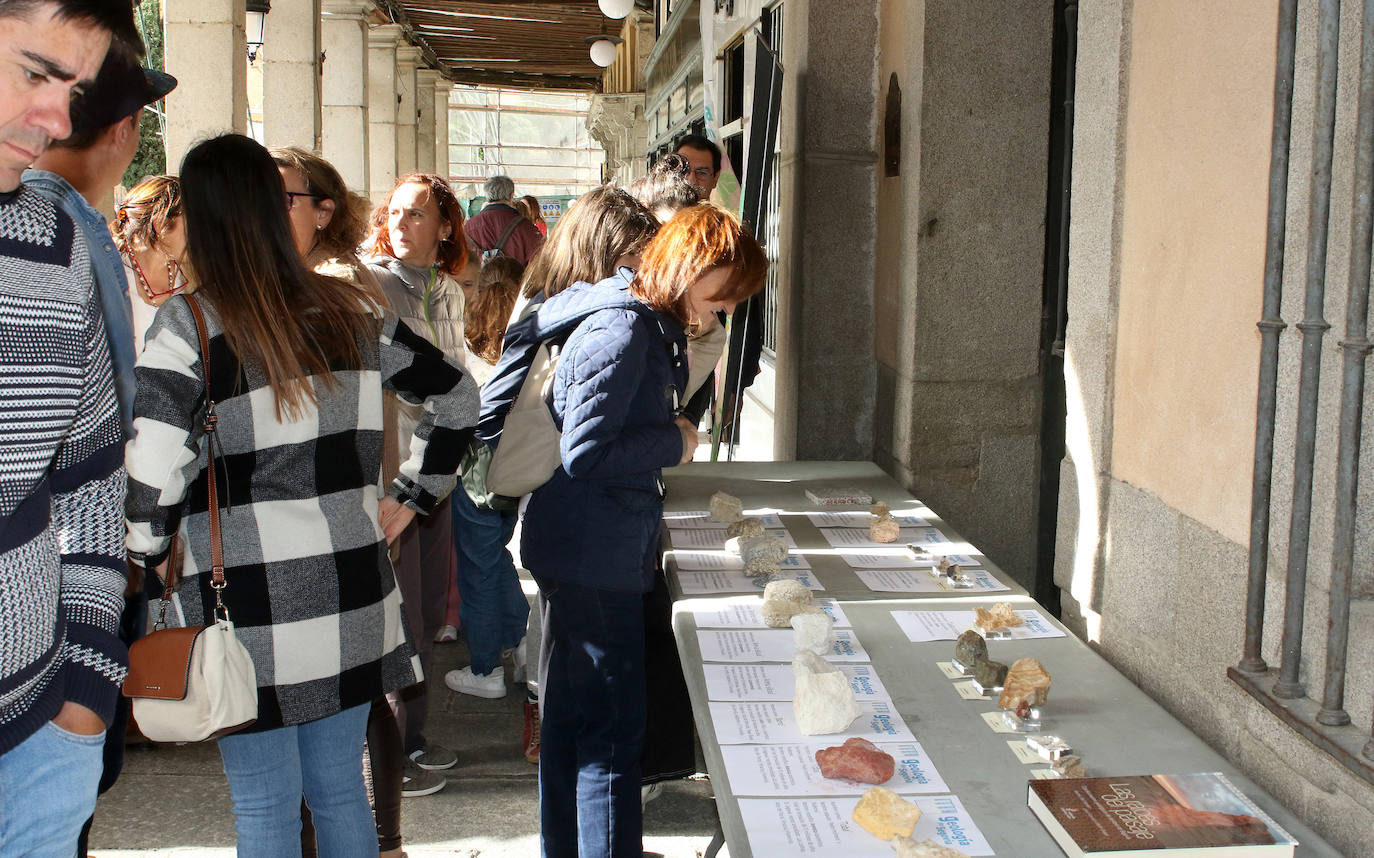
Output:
[[505, 235]]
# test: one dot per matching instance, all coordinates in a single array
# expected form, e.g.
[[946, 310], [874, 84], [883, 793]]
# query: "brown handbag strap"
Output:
[[211, 423]]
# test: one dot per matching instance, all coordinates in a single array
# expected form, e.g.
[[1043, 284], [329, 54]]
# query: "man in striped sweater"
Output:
[[61, 461]]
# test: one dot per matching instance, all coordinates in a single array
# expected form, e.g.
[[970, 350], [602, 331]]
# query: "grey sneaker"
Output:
[[417, 781], [434, 757]]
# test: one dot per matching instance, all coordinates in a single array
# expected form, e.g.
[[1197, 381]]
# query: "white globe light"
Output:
[[603, 52], [616, 9]]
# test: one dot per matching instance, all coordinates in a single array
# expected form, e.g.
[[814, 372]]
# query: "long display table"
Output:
[[1111, 723]]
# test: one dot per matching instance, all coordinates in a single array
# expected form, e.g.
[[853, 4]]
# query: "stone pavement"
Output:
[[173, 801]]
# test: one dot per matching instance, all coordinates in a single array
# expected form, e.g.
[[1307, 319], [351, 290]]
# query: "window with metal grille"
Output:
[[1325, 723]]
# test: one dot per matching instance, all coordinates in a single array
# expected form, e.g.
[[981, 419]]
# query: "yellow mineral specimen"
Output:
[[885, 815]]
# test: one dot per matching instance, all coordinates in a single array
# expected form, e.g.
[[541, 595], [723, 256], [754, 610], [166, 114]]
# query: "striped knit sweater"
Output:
[[61, 477]]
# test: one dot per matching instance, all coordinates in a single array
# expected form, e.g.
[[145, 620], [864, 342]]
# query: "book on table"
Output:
[[1144, 816]]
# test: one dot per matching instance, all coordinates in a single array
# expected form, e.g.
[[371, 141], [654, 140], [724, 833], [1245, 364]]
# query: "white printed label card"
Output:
[[922, 626], [722, 560], [745, 612], [791, 769], [704, 582], [862, 518], [825, 828], [687, 519], [770, 645], [715, 537], [776, 682], [767, 723], [922, 581]]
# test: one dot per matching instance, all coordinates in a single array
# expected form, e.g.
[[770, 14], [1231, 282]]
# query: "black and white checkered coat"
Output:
[[310, 587]]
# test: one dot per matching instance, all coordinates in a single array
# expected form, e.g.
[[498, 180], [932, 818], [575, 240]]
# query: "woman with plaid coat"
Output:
[[297, 364]]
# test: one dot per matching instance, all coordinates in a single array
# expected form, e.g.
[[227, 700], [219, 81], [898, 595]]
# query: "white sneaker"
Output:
[[518, 661], [446, 634], [464, 681]]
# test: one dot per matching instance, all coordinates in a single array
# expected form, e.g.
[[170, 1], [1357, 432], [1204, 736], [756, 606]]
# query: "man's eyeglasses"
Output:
[[291, 198], [702, 172]]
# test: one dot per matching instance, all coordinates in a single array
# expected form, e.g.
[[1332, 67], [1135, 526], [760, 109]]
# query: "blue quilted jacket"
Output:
[[615, 394]]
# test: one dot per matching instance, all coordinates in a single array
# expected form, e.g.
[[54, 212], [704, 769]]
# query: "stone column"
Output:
[[825, 400], [343, 90], [407, 58], [208, 54], [381, 109], [290, 75], [441, 128], [425, 82]]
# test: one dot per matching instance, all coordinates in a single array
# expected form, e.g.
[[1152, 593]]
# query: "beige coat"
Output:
[[439, 320]]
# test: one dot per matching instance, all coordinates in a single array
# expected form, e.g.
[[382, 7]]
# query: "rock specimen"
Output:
[[990, 674], [880, 509], [750, 526], [814, 632], [824, 702], [1069, 766], [908, 848], [884, 529], [1000, 617], [856, 760], [726, 507], [762, 554], [784, 599], [886, 815], [970, 649], [1027, 682]]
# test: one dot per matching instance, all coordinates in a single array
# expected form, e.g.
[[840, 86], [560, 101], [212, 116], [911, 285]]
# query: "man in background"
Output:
[[500, 227]]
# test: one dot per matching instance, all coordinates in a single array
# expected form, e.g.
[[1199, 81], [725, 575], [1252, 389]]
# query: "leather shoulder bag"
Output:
[[194, 683]]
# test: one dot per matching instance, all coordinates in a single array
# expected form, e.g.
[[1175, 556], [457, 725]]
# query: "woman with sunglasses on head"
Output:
[[297, 363], [590, 533], [150, 235], [327, 222], [418, 254]]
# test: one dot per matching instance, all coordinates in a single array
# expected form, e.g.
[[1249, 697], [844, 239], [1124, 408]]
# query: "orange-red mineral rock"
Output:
[[856, 760]]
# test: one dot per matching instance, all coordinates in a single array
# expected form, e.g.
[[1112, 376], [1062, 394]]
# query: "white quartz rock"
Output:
[[824, 702], [726, 507], [784, 599], [814, 632], [908, 848], [761, 554]]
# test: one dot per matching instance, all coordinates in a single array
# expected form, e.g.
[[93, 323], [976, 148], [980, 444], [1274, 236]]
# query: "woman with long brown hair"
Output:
[[297, 362], [590, 533], [606, 227]]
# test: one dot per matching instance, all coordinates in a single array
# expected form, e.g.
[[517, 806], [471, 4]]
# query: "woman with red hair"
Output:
[[418, 252], [589, 535]]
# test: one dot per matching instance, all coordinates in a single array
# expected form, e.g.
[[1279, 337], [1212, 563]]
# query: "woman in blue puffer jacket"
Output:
[[589, 534]]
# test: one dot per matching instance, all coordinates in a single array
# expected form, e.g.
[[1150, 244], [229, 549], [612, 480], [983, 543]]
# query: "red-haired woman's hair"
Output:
[[453, 251], [698, 239]]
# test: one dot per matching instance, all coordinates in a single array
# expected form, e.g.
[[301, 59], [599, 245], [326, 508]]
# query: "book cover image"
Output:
[[1154, 812]]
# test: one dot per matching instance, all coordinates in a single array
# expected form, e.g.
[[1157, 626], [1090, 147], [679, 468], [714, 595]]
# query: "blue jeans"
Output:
[[323, 760], [494, 611], [47, 791], [592, 729]]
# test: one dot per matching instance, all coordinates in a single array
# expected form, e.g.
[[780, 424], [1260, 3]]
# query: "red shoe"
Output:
[[531, 736]]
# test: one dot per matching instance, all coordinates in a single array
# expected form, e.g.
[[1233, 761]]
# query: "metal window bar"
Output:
[[772, 213], [1313, 326], [1287, 699]]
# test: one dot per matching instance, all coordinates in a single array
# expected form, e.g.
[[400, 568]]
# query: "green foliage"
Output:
[[151, 157]]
